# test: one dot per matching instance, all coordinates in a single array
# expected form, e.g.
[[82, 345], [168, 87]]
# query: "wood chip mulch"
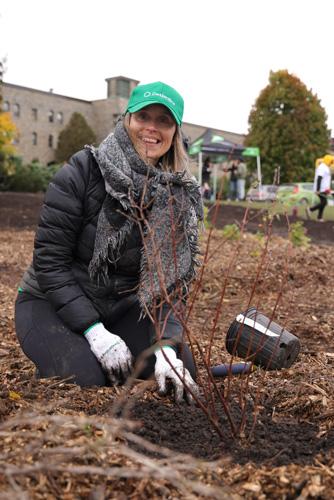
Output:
[[61, 441]]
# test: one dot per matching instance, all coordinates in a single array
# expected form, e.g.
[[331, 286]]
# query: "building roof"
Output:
[[120, 77], [21, 87]]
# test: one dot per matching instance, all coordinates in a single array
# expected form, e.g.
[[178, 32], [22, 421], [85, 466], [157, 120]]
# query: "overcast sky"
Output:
[[216, 53]]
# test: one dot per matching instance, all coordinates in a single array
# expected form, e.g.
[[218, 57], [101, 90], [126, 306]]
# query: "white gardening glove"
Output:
[[111, 351], [164, 371]]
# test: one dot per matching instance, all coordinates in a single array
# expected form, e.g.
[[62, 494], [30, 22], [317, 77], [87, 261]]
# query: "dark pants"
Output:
[[57, 351], [320, 206], [233, 189]]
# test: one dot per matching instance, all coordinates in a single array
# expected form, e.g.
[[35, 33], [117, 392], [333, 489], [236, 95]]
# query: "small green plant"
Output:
[[298, 235], [88, 430], [260, 241], [231, 232]]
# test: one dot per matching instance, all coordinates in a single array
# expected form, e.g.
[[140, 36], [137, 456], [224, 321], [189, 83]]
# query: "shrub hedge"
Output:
[[30, 178]]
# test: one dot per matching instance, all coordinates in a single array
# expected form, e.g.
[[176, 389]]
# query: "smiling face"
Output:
[[151, 131]]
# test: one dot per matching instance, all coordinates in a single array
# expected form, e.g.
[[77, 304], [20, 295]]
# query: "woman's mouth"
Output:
[[150, 140]]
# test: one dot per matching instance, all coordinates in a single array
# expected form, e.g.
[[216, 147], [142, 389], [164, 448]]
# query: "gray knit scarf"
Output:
[[170, 226]]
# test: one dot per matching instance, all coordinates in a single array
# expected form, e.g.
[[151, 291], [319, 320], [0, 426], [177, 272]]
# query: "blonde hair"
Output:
[[176, 158]]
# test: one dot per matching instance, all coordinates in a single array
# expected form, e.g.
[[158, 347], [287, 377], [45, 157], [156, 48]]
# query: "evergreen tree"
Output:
[[74, 137], [289, 125]]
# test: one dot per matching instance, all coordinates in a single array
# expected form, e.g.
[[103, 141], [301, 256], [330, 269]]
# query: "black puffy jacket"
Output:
[[64, 245]]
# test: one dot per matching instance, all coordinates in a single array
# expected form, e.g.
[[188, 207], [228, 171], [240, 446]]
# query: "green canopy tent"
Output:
[[219, 150]]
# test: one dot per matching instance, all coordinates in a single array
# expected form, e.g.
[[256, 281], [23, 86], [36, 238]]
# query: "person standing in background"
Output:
[[206, 174], [232, 169], [241, 179], [206, 170], [322, 185]]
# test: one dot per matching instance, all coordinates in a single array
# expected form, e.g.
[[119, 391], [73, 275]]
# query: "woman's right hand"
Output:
[[111, 351], [168, 368]]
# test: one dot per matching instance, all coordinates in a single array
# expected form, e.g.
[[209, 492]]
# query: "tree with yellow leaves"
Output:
[[7, 135], [8, 132], [7, 150]]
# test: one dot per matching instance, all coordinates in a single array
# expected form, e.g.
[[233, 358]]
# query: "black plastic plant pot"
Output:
[[252, 336]]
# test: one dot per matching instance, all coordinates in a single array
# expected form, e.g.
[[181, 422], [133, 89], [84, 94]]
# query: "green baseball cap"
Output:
[[156, 93]]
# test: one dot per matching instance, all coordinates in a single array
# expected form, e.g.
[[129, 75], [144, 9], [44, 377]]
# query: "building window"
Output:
[[16, 110], [34, 114], [50, 141], [51, 116], [34, 139], [5, 106], [123, 88], [60, 117]]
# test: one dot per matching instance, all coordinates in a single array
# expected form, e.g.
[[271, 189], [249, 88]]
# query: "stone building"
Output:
[[40, 116]]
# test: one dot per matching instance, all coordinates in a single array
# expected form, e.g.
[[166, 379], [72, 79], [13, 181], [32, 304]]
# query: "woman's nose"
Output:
[[151, 125]]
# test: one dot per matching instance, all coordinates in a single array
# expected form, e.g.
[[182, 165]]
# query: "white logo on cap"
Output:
[[149, 94]]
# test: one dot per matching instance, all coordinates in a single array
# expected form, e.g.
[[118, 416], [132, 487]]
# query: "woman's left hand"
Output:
[[164, 372], [111, 351]]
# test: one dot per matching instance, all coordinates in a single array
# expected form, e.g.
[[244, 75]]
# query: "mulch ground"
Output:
[[61, 441]]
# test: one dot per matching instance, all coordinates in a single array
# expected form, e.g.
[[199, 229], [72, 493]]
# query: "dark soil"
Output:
[[20, 210], [187, 430], [287, 419], [319, 232]]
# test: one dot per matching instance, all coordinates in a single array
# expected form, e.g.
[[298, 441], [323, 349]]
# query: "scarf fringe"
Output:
[[148, 293], [99, 267]]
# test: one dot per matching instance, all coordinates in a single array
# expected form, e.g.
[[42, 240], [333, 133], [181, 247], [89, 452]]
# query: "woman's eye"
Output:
[[142, 116], [165, 120]]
